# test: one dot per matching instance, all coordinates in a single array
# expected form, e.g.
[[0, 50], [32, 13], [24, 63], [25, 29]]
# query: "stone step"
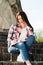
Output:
[[38, 57], [38, 45], [11, 63], [3, 43], [4, 49], [4, 56], [13, 56], [37, 50], [8, 56], [33, 50], [34, 55], [20, 63], [3, 38]]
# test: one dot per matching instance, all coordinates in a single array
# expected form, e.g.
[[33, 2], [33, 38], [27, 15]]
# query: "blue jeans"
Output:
[[23, 47]]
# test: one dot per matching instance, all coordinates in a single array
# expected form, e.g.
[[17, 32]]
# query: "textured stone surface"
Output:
[[19, 63], [36, 53], [7, 17], [36, 50]]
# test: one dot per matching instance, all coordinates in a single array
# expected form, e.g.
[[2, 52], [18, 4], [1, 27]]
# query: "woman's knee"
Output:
[[30, 39], [10, 49], [13, 50], [21, 45]]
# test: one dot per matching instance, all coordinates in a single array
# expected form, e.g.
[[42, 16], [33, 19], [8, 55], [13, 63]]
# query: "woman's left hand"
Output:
[[13, 42]]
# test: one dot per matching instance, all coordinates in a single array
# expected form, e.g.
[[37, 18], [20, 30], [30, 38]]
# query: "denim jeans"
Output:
[[23, 47]]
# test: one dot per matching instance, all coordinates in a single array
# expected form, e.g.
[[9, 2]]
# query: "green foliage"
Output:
[[39, 40], [39, 36]]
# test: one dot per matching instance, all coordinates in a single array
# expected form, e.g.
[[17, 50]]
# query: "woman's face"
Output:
[[21, 21]]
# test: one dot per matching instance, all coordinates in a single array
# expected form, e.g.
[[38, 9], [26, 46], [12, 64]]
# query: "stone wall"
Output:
[[36, 52]]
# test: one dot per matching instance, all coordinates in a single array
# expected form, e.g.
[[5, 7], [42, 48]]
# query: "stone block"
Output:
[[4, 49], [14, 56], [20, 63], [41, 51], [1, 57], [41, 57], [3, 43], [6, 56]]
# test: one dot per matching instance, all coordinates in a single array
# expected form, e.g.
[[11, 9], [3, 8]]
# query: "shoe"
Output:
[[20, 59]]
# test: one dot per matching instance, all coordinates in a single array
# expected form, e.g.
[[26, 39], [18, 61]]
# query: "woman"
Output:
[[25, 40]]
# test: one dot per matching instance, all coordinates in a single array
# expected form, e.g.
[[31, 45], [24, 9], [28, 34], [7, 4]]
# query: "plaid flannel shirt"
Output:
[[20, 35]]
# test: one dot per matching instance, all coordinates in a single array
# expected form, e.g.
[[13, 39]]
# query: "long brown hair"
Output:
[[24, 17]]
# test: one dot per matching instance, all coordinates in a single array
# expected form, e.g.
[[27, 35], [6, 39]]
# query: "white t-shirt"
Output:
[[25, 32]]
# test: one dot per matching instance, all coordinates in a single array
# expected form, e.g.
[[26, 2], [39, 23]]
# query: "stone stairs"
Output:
[[36, 55]]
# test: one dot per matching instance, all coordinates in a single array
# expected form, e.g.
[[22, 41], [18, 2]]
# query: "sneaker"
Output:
[[20, 59]]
